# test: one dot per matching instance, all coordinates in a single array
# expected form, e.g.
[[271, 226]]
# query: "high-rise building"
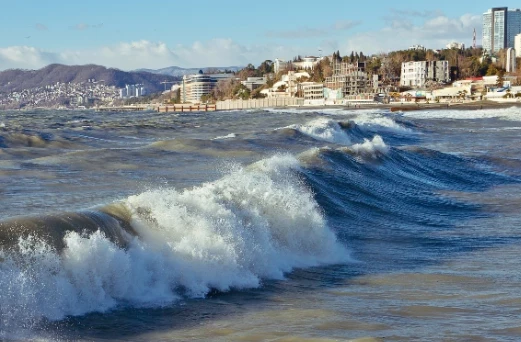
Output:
[[500, 26]]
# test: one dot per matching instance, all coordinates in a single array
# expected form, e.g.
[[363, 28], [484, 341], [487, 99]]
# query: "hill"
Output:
[[18, 80]]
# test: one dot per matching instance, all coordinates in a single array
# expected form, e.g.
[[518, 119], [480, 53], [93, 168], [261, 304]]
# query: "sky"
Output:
[[155, 34]]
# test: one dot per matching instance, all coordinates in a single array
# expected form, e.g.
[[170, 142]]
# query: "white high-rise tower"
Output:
[[500, 26]]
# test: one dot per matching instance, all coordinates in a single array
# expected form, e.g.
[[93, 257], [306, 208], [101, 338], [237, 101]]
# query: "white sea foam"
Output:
[[229, 136], [325, 130], [512, 114], [373, 119], [371, 148], [256, 223]]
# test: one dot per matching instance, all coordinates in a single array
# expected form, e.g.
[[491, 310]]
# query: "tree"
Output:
[[282, 88], [266, 67], [500, 78], [241, 91], [492, 70]]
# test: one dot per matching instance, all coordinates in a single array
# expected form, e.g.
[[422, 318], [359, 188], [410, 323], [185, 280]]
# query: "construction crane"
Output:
[[165, 82]]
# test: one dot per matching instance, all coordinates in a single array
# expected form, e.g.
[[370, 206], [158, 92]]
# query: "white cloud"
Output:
[[26, 57], [435, 33], [147, 54]]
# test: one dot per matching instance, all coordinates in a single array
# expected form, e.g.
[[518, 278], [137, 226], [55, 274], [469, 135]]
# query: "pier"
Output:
[[187, 108]]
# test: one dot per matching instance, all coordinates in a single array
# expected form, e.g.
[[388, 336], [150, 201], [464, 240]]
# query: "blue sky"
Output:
[[156, 34]]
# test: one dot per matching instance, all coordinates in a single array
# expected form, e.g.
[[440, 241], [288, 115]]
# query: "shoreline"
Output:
[[400, 107], [393, 107]]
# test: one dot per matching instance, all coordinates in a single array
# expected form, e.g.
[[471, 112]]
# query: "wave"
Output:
[[510, 114], [258, 222], [380, 121], [36, 140], [229, 136], [324, 130], [369, 148]]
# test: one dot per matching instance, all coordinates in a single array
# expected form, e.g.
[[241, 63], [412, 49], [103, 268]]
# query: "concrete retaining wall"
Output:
[[259, 103]]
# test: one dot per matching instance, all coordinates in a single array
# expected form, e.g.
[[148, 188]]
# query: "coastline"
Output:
[[393, 107], [398, 107]]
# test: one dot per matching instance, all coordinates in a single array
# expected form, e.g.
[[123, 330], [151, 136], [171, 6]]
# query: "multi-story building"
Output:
[[349, 78], [500, 26], [312, 90], [195, 86], [416, 74], [132, 90], [253, 83]]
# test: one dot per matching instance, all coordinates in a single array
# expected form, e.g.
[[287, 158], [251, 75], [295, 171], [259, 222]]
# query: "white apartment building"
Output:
[[312, 90], [132, 90], [416, 74], [500, 26]]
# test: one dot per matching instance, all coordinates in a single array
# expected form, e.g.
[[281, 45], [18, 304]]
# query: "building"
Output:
[[417, 47], [500, 26], [253, 83], [279, 65], [456, 45], [416, 74], [312, 90], [195, 86], [307, 62], [511, 60], [517, 44], [349, 79], [288, 85], [132, 90]]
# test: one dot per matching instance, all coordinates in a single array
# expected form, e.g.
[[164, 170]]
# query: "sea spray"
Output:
[[258, 222], [371, 148], [325, 130]]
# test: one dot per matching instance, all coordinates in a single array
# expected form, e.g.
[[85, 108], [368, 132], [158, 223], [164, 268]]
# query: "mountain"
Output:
[[179, 72], [17, 79]]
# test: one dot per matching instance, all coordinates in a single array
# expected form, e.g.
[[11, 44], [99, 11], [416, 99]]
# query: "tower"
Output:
[[474, 39]]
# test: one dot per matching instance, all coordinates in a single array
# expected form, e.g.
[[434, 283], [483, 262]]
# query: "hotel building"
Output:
[[195, 86]]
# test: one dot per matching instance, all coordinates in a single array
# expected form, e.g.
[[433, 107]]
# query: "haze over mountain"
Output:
[[179, 72], [19, 79]]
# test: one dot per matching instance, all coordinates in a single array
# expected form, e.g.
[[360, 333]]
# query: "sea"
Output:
[[294, 224]]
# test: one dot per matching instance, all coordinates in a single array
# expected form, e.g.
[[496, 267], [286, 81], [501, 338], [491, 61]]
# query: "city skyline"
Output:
[[155, 35]]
